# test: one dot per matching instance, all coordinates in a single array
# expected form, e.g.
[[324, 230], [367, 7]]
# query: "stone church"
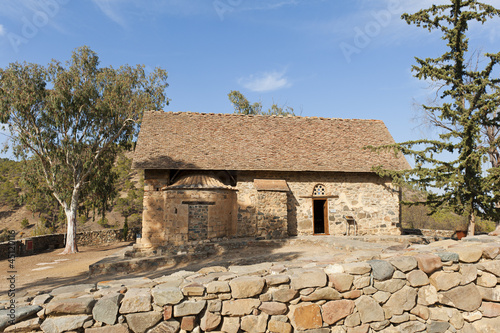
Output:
[[210, 176]]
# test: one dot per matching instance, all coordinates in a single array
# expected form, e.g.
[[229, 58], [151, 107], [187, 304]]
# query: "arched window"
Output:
[[319, 190]]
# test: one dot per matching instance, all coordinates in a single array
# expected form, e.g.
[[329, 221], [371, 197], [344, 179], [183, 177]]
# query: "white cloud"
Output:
[[2, 30], [110, 9], [267, 81]]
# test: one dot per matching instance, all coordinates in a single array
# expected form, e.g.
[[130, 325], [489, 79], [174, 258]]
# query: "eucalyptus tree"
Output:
[[68, 116]]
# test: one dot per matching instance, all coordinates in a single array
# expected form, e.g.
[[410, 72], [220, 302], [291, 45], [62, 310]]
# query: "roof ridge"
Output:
[[261, 115]]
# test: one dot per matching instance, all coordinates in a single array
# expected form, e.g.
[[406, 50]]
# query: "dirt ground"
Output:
[[46, 271]]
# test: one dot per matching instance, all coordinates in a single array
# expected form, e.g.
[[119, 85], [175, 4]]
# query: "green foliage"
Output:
[[135, 219], [8, 194], [485, 226], [416, 215], [25, 223], [43, 227], [242, 106], [131, 205], [36, 195], [469, 97], [103, 222], [125, 230], [69, 117], [10, 172], [82, 219], [4, 235], [101, 189]]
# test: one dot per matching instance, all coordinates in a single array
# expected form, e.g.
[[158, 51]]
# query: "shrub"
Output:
[[125, 230], [40, 229], [103, 223], [485, 226], [135, 220], [25, 223], [4, 235], [82, 219]]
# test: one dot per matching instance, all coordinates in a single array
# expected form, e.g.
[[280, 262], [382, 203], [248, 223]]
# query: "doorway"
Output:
[[320, 216]]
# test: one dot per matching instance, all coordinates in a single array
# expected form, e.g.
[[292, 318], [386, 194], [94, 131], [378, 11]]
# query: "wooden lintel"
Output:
[[319, 196]]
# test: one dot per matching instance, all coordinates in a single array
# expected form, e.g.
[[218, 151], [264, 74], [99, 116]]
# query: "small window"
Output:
[[319, 190]]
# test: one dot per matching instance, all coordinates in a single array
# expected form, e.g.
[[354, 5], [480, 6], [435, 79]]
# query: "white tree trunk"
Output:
[[70, 212]]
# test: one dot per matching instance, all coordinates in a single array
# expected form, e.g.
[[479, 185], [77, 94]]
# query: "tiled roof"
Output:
[[198, 141]]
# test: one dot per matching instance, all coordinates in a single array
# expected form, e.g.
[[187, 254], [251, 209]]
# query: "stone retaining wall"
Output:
[[429, 232], [90, 238], [37, 244], [31, 245], [444, 288]]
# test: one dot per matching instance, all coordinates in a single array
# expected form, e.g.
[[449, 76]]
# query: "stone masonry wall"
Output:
[[153, 207], [373, 201], [451, 290], [272, 215], [55, 241], [197, 222], [184, 209]]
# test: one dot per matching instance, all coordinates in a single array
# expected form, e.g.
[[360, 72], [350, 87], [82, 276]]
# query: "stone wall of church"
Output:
[[192, 214], [153, 223], [371, 200], [272, 219]]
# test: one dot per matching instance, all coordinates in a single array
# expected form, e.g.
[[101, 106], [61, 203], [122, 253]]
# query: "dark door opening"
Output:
[[320, 217]]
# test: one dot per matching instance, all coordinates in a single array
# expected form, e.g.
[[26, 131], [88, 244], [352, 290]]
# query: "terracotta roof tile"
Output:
[[197, 141]]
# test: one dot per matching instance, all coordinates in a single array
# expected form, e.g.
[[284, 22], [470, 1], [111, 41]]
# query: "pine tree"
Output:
[[469, 100]]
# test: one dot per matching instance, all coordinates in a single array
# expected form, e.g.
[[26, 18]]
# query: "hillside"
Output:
[[29, 215], [417, 216]]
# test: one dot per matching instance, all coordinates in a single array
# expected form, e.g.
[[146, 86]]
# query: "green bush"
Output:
[[4, 235], [485, 226], [135, 220], [103, 222], [125, 230], [25, 223], [40, 229], [82, 219]]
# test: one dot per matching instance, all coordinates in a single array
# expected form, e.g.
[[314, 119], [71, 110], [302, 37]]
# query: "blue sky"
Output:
[[341, 59]]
